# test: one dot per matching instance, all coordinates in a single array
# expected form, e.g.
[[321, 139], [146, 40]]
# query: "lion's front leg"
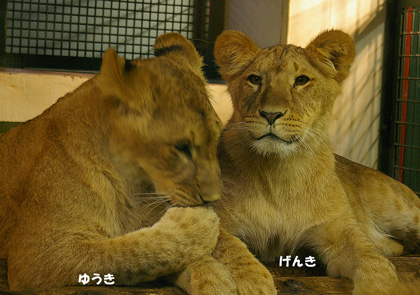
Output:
[[250, 276], [231, 269], [347, 252], [206, 276]]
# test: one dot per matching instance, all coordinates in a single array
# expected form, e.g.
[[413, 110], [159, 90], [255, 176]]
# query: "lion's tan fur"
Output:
[[287, 191], [87, 186], [79, 182]]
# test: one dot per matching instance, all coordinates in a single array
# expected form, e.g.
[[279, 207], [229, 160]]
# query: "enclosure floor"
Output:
[[288, 281]]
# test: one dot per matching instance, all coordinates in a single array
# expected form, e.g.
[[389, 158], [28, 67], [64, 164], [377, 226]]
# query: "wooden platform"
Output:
[[288, 281]]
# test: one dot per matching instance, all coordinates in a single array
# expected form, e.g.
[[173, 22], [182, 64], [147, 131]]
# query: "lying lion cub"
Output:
[[84, 186], [285, 189]]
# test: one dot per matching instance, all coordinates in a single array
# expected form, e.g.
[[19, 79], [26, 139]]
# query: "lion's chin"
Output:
[[272, 145], [272, 136]]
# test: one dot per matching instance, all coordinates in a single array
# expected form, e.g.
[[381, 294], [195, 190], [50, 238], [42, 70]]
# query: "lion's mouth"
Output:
[[274, 137]]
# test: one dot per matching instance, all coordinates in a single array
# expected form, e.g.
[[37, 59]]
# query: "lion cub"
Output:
[[84, 187], [284, 188]]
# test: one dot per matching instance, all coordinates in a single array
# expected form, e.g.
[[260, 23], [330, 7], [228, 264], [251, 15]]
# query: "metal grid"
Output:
[[84, 29], [406, 166]]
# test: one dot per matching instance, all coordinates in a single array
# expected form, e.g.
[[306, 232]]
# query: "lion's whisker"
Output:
[[161, 212], [148, 194]]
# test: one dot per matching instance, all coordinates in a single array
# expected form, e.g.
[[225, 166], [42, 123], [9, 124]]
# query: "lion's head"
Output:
[[162, 119], [283, 95]]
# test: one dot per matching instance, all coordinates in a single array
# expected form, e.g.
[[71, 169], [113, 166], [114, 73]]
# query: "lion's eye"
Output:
[[254, 79], [301, 80], [185, 149]]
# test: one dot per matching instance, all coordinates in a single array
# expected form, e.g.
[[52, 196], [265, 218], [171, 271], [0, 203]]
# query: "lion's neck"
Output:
[[90, 117], [305, 167]]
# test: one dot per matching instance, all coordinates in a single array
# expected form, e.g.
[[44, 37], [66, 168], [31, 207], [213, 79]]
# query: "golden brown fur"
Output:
[[283, 187], [85, 187]]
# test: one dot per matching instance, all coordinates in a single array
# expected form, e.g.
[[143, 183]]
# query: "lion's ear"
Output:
[[178, 48], [112, 74], [332, 52], [234, 51], [122, 80]]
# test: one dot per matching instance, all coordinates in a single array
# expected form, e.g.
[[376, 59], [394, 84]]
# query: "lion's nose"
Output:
[[271, 117], [212, 198]]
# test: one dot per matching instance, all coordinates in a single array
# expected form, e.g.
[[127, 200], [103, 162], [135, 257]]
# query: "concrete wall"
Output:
[[261, 20], [25, 94], [355, 126]]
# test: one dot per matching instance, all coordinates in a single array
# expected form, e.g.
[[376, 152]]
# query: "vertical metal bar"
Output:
[[62, 31], [94, 17], [78, 37], [37, 24], [198, 24], [3, 17], [406, 74], [415, 135], [216, 27], [284, 21], [54, 31]]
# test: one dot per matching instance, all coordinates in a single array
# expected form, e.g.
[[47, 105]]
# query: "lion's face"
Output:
[[179, 140], [283, 96], [164, 122]]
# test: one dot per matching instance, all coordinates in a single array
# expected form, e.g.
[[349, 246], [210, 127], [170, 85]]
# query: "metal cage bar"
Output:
[[406, 165], [73, 34], [400, 140]]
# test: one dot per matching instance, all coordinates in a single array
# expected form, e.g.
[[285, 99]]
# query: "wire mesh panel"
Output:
[[407, 137], [79, 31]]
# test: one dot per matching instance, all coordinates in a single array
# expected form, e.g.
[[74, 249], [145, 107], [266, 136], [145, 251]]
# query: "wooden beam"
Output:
[[288, 280]]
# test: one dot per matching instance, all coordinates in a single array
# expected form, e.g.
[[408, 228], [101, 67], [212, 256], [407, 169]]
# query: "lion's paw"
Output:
[[378, 276], [195, 229], [256, 282]]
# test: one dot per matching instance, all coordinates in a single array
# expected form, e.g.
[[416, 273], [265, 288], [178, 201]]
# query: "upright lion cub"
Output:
[[284, 188]]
